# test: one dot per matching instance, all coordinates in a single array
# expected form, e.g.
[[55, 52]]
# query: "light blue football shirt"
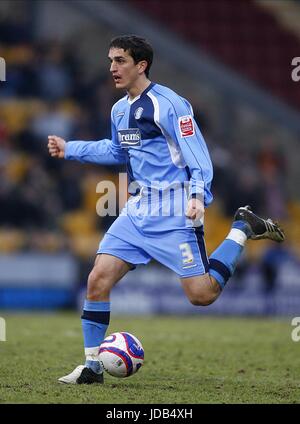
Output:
[[156, 135]]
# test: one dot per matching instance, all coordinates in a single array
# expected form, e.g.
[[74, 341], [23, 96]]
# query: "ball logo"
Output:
[[186, 126], [138, 112], [136, 350]]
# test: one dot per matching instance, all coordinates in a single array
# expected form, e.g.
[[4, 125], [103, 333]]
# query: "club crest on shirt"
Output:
[[129, 138], [186, 126], [138, 112]]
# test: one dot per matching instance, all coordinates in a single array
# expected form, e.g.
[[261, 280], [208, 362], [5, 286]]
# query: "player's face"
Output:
[[123, 69]]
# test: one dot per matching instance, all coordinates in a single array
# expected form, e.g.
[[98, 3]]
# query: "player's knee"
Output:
[[98, 284], [202, 298]]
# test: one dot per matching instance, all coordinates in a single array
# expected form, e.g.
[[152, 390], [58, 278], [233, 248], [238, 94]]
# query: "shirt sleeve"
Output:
[[185, 131], [105, 152]]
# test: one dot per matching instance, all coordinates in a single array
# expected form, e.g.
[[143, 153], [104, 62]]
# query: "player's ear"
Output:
[[142, 66]]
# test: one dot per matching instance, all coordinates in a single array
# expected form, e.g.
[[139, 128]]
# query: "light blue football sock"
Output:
[[95, 320], [224, 259]]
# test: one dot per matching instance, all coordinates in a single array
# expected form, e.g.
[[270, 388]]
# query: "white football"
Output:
[[121, 354]]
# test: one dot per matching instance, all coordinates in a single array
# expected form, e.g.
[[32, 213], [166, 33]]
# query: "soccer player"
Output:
[[155, 134]]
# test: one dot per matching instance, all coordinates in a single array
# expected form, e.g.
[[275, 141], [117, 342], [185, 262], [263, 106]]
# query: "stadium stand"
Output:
[[48, 206], [244, 36]]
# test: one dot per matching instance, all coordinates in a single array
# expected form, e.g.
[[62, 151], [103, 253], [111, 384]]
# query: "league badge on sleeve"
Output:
[[186, 126]]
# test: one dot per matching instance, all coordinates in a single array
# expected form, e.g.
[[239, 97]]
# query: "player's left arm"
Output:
[[196, 156]]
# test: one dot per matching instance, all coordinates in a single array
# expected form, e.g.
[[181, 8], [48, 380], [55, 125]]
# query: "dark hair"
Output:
[[138, 48]]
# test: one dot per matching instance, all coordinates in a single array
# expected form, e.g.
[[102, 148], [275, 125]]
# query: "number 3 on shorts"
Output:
[[187, 254]]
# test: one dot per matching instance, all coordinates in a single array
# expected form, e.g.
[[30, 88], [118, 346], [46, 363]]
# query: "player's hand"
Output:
[[195, 209], [56, 146]]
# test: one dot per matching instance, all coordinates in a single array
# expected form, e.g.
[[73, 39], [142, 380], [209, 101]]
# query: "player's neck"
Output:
[[137, 89]]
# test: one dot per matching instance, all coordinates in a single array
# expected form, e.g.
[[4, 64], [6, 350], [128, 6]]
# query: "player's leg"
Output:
[[201, 290], [205, 289], [118, 253], [107, 271]]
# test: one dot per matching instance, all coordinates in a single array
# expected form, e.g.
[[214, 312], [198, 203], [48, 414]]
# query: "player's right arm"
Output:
[[104, 151], [56, 146]]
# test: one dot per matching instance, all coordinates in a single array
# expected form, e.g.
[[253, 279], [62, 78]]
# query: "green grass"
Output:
[[187, 360]]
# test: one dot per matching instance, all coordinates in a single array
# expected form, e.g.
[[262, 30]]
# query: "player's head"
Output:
[[137, 47]]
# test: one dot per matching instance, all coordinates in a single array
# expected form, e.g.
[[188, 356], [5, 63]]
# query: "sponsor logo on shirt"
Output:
[[186, 126], [138, 112], [130, 137]]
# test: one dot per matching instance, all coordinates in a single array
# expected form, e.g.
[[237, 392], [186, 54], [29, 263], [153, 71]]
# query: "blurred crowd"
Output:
[[49, 204], [45, 201]]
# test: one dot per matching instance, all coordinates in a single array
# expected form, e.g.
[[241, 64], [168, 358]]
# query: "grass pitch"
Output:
[[187, 360]]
